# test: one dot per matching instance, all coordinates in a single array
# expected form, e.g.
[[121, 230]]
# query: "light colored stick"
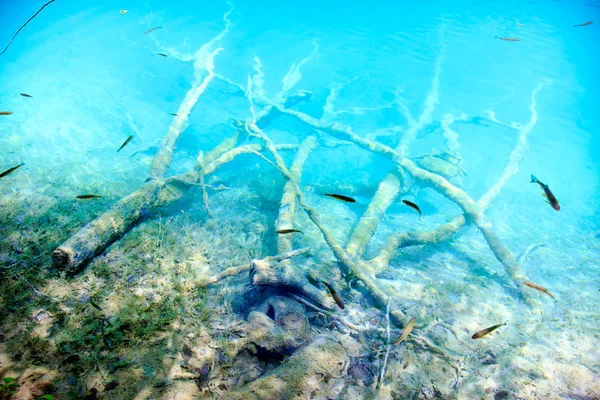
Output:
[[202, 173], [394, 183], [233, 271], [164, 156], [287, 206], [387, 353], [341, 320]]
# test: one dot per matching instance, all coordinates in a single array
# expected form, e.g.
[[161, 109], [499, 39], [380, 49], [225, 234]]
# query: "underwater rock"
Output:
[[203, 375], [299, 377], [35, 383], [111, 385], [489, 358], [186, 352], [361, 373], [501, 395], [91, 394], [182, 390], [278, 325]]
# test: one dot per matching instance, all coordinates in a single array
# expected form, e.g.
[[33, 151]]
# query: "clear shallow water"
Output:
[[96, 79]]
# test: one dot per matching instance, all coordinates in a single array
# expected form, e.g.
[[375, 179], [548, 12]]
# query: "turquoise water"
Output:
[[423, 87]]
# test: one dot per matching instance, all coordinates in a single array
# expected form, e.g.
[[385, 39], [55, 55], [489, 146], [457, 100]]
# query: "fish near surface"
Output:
[[26, 95], [486, 331], [88, 196], [152, 29], [588, 23], [341, 197], [11, 170], [286, 231], [125, 143], [508, 39], [5, 112], [549, 195], [413, 205]]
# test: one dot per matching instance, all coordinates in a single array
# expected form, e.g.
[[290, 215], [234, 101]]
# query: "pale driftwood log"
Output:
[[394, 183], [201, 175], [162, 161], [93, 238], [287, 207], [445, 231], [286, 276], [350, 267], [387, 191], [97, 235], [285, 220], [436, 182], [234, 271]]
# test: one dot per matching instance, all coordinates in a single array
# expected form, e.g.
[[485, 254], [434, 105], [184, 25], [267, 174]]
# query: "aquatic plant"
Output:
[[9, 386]]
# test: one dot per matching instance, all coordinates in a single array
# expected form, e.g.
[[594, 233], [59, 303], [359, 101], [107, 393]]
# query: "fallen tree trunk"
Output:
[[96, 236], [441, 185], [104, 230], [285, 276]]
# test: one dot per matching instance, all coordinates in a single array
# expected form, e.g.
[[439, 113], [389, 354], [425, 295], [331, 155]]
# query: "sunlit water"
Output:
[[433, 69]]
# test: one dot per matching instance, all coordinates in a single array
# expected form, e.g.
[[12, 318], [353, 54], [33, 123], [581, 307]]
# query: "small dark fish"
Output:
[[484, 332], [125, 143], [173, 114], [584, 24], [162, 54], [406, 331], [11, 170], [538, 287], [285, 231], [5, 112], [341, 197], [88, 196], [152, 29], [508, 39], [549, 196], [26, 95], [336, 297], [413, 205], [111, 385]]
